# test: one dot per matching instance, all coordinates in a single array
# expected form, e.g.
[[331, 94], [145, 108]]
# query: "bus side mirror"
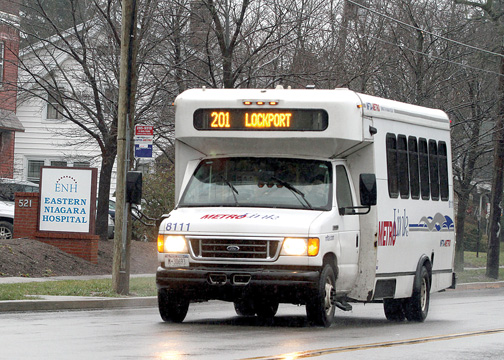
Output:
[[367, 188], [134, 187]]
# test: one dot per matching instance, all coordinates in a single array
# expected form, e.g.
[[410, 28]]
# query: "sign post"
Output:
[[144, 135], [67, 200]]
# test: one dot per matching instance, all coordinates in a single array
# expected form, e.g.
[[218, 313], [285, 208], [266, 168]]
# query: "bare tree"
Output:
[[236, 43], [494, 11], [77, 70], [470, 145]]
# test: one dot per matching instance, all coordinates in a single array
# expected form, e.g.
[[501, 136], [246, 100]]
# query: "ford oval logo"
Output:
[[233, 248]]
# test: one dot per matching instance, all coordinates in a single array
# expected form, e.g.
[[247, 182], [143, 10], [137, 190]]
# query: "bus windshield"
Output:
[[260, 182]]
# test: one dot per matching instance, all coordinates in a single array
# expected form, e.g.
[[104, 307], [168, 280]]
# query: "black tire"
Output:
[[244, 308], [320, 310], [394, 309], [416, 307], [6, 230], [173, 306], [266, 309]]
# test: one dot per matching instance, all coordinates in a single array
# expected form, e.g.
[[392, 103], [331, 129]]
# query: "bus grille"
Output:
[[221, 248]]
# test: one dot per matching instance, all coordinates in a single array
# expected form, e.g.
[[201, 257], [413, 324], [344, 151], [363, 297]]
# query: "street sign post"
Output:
[[144, 135]]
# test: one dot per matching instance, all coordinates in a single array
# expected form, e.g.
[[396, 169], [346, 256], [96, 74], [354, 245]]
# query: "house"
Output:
[[10, 126], [54, 87], [49, 139]]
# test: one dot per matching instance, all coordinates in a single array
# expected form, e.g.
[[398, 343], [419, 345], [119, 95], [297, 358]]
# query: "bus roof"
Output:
[[349, 118]]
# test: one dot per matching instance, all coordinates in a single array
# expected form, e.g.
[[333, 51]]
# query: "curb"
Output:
[[56, 303], [479, 286], [61, 303]]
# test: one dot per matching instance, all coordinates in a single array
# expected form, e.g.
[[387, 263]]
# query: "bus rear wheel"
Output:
[[394, 309], [416, 307], [244, 307], [266, 309]]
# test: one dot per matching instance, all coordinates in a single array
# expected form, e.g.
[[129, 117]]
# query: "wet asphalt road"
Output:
[[461, 325]]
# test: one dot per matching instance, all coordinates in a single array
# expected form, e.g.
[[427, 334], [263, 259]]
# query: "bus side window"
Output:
[[434, 169], [402, 163], [424, 168], [343, 190], [392, 173], [443, 171], [413, 167]]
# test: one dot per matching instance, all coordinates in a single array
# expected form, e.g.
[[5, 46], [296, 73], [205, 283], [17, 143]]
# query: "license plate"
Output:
[[176, 260]]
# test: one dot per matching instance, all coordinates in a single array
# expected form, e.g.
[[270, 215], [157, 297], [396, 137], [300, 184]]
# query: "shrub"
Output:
[[471, 238]]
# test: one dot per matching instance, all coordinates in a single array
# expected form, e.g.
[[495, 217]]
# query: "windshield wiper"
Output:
[[231, 186], [294, 190]]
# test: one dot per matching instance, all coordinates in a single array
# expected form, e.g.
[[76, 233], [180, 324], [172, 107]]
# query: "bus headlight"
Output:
[[171, 244], [300, 246]]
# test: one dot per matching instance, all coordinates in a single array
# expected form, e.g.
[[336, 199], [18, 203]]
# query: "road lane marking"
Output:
[[341, 349]]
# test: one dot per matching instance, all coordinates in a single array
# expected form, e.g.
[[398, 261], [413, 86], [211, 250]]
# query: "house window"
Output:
[[54, 108], [82, 164], [59, 163], [34, 167]]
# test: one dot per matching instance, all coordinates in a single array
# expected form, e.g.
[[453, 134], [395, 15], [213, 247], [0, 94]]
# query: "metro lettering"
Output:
[[386, 233]]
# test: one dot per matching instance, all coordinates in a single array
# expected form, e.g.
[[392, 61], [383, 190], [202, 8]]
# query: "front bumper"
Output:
[[232, 284]]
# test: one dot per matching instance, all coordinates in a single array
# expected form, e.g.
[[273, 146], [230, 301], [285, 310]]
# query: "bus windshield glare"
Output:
[[260, 182]]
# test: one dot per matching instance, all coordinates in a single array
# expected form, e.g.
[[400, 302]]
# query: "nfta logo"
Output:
[[386, 233], [445, 243], [373, 107]]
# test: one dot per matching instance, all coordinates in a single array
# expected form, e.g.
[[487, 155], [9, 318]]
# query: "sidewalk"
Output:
[[58, 303]]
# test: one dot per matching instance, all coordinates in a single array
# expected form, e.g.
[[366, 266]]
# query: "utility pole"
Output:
[[125, 121]]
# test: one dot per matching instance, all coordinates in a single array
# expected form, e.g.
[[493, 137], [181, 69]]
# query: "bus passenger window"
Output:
[[393, 181], [434, 169], [413, 167], [443, 171], [402, 162], [424, 168]]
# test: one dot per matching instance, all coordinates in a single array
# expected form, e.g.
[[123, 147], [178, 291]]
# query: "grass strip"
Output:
[[479, 260], [142, 286], [477, 275]]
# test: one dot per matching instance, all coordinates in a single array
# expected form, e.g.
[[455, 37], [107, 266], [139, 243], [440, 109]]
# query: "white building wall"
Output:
[[51, 140]]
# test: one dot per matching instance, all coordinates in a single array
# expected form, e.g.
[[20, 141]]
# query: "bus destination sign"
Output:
[[261, 119]]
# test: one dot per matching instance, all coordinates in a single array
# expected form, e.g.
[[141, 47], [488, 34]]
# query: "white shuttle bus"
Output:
[[312, 197]]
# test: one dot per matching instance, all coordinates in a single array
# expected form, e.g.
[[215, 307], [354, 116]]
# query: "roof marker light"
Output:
[[260, 102], [273, 102], [247, 103]]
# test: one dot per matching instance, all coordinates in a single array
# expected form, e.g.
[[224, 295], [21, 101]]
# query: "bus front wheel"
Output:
[[320, 309], [173, 306]]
